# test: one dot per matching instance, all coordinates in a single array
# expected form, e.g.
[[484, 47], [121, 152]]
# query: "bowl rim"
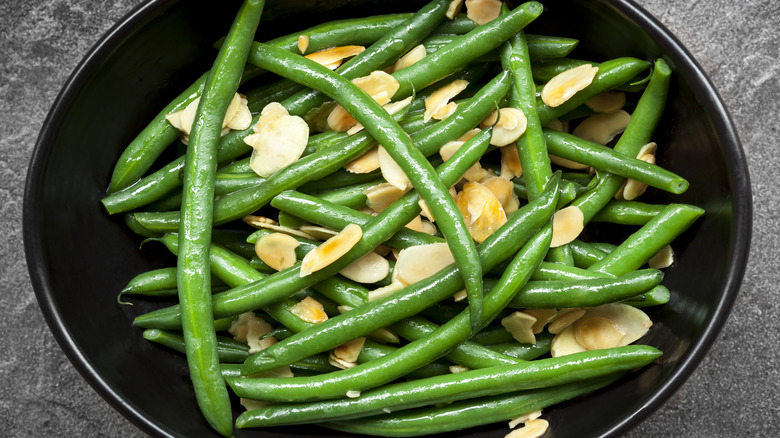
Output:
[[701, 86]]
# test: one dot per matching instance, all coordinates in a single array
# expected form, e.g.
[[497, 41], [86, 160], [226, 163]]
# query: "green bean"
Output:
[[459, 25], [627, 213], [335, 331], [526, 351], [585, 293], [585, 255], [638, 248], [555, 271], [656, 297], [228, 349], [448, 388], [469, 413], [372, 350], [157, 282], [561, 254], [539, 46], [352, 196], [259, 97], [546, 69], [604, 246], [493, 334], [339, 179]]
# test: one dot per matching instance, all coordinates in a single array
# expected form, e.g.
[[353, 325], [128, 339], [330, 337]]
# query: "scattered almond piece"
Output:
[[410, 58], [531, 429], [566, 84], [391, 108], [504, 190], [460, 295], [519, 324], [309, 310], [525, 418], [279, 144], [331, 250], [564, 343], [557, 125], [391, 171], [237, 116], [379, 85], [481, 210], [607, 326], [508, 127], [648, 149], [270, 224], [454, 8], [352, 394], [441, 97], [567, 225], [602, 128], [251, 405], [510, 163], [483, 11], [303, 43], [318, 232], [419, 262], [368, 162], [340, 363], [446, 111], [334, 55], [269, 113], [474, 173], [543, 317], [608, 102], [368, 269], [563, 162], [380, 196], [384, 291], [632, 188], [457, 369], [663, 259], [428, 228], [277, 250], [350, 351], [563, 319]]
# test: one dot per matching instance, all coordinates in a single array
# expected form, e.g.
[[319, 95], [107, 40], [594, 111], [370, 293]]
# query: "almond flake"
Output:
[[265, 223], [602, 128], [483, 11], [563, 162], [270, 112], [446, 111], [277, 250], [368, 269], [366, 163], [567, 225], [384, 291], [525, 418], [278, 145], [309, 310], [391, 171], [457, 369], [441, 97], [379, 85], [419, 262], [349, 351], [519, 324], [608, 102], [318, 232], [510, 163], [532, 429], [508, 127], [410, 58], [391, 108], [504, 190], [566, 84], [303, 43], [331, 250], [335, 54], [474, 173], [563, 319], [633, 188], [663, 259], [454, 8], [380, 196], [481, 210]]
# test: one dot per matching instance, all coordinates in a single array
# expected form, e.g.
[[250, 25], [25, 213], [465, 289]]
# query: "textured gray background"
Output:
[[735, 391]]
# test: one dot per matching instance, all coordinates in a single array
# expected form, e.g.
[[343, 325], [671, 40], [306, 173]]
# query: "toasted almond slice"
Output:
[[188, 115], [483, 11], [335, 54], [391, 108], [280, 144], [519, 325], [481, 210], [428, 228], [174, 119], [650, 148], [663, 259], [454, 8], [608, 102], [504, 190], [380, 196], [510, 163], [368, 162], [419, 262], [318, 232], [525, 418], [633, 188], [334, 65], [531, 429], [446, 111], [277, 250], [508, 127], [598, 332], [543, 317], [457, 369], [602, 128], [566, 84], [303, 43], [563, 319], [270, 112], [600, 326], [344, 309], [415, 224], [379, 85], [260, 344], [391, 171], [349, 351], [564, 343], [368, 269], [410, 58], [385, 336], [270, 224], [309, 310], [474, 173], [384, 291], [331, 250], [567, 225], [563, 162], [340, 363], [249, 326], [441, 97]]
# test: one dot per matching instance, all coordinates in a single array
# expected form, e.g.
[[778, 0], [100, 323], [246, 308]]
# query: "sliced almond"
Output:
[[543, 317], [270, 224], [385, 336], [483, 11], [260, 344], [557, 125], [564, 344], [410, 58], [608, 102], [415, 224], [384, 291], [380, 196], [331, 250], [427, 212], [598, 332], [504, 190], [270, 112], [366, 163], [352, 394], [340, 363], [567, 225], [508, 127], [566, 84], [428, 228], [251, 405], [419, 262], [481, 210], [379, 85], [309, 310], [650, 148], [349, 351], [563, 319], [280, 144], [602, 128], [391, 108], [454, 8], [457, 369], [525, 418], [237, 115], [391, 171], [460, 295], [663, 259], [469, 135], [335, 55], [519, 325], [531, 429], [563, 162], [607, 326], [510, 163], [303, 43], [277, 250], [445, 111], [633, 188], [249, 326], [187, 115], [318, 232], [240, 118], [368, 269], [442, 96], [474, 173]]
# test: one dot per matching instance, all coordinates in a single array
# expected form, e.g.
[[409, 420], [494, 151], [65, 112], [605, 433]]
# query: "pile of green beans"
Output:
[[428, 364]]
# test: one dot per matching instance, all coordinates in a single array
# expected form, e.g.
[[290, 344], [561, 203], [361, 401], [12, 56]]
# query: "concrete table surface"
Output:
[[734, 392]]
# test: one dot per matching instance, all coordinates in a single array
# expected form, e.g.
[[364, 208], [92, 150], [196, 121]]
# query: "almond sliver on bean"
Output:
[[335, 54], [419, 262], [474, 173], [331, 250], [441, 97], [567, 225], [543, 317], [650, 148], [607, 102], [380, 196], [509, 126], [519, 325], [277, 250], [602, 128], [270, 224], [510, 163], [504, 190], [532, 429], [280, 144], [349, 351], [454, 8], [384, 291], [309, 310], [564, 343], [563, 319], [663, 259], [410, 58], [379, 85], [481, 211], [366, 163], [368, 269], [566, 84], [303, 43], [270, 112], [483, 11], [446, 111], [391, 171], [633, 188]]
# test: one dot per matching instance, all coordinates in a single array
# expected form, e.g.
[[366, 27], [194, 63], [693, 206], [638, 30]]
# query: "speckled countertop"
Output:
[[734, 392]]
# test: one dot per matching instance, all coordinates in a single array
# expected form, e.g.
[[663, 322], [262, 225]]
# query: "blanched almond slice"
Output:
[[564, 344], [270, 224], [331, 250], [352, 394], [391, 171], [543, 317], [410, 58], [340, 363], [441, 97], [531, 429], [504, 190], [602, 128], [303, 43], [391, 108], [277, 250], [563, 162], [318, 232], [648, 149], [633, 188], [415, 224], [454, 8], [481, 210], [385, 336], [663, 259], [566, 84], [469, 135], [251, 405], [611, 325], [446, 111], [379, 85], [428, 228], [380, 196], [350, 351], [187, 115], [607, 102], [249, 326], [519, 324], [270, 112], [335, 54], [567, 225], [309, 310], [238, 117], [334, 65], [511, 125], [525, 418], [233, 109], [384, 291], [510, 163], [259, 344], [280, 144], [563, 319], [368, 269], [483, 11], [419, 262], [365, 163], [474, 173]]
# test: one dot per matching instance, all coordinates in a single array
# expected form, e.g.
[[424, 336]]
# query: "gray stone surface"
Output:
[[735, 391]]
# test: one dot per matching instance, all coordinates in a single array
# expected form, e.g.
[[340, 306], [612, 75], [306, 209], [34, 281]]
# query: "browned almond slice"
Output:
[[481, 210], [510, 162], [441, 97], [280, 144], [602, 128], [508, 127], [384, 291], [331, 250], [483, 11], [303, 43], [564, 343], [391, 171], [504, 190], [350, 351], [335, 54], [368, 162], [410, 58], [446, 111], [454, 8], [610, 325], [309, 310], [277, 250], [543, 317], [567, 225], [416, 263], [566, 84]]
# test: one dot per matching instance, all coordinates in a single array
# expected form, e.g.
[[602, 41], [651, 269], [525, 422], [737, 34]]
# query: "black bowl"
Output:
[[79, 257]]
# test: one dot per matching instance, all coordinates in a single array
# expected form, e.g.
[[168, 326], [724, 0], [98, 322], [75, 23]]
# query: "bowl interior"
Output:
[[80, 257]]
